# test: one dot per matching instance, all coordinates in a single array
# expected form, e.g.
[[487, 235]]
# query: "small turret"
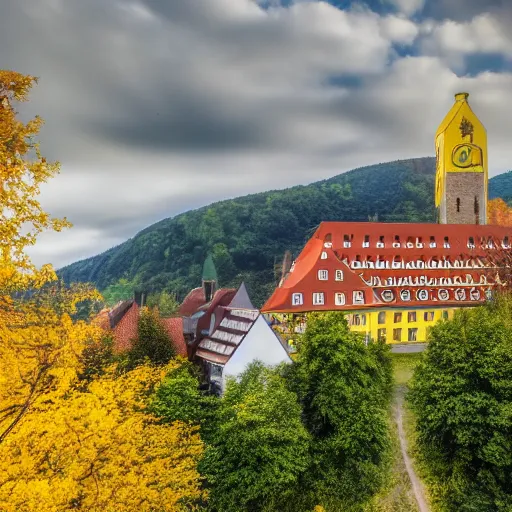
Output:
[[209, 279]]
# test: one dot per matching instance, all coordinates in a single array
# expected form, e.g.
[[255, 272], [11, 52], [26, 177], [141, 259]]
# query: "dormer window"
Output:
[[446, 244], [297, 299], [506, 243], [471, 243], [396, 243], [433, 244], [410, 243], [366, 242], [419, 242], [346, 241], [380, 243], [323, 275]]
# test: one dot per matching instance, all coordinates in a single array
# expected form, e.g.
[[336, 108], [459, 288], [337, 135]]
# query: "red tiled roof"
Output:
[[126, 329], [192, 302], [410, 272], [174, 327]]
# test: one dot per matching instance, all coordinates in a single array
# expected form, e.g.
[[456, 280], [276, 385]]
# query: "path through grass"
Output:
[[399, 495]]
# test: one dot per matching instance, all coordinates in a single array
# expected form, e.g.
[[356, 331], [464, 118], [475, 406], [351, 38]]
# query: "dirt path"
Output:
[[416, 484]]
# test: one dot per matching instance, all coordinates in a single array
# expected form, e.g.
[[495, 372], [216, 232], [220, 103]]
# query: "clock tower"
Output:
[[461, 166]]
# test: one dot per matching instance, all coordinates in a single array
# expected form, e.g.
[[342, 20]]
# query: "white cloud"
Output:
[[399, 29], [485, 33], [157, 107], [408, 7]]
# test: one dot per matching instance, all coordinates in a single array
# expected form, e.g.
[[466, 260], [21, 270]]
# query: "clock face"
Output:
[[467, 157]]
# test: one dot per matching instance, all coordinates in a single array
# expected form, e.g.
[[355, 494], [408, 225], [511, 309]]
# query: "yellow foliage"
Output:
[[98, 450], [22, 170], [65, 446]]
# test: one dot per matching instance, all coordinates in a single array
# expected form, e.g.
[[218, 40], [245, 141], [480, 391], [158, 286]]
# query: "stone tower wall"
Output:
[[461, 190]]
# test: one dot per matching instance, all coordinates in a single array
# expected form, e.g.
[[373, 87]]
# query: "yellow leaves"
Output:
[[97, 450], [21, 215]]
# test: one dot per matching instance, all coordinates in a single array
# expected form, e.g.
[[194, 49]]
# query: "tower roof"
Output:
[[209, 270]]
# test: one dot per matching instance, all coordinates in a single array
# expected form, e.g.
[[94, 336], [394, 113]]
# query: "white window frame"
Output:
[[338, 275], [300, 298], [323, 275], [318, 299], [337, 296], [357, 292], [323, 256]]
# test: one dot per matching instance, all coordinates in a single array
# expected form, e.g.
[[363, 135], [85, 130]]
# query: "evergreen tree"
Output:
[[152, 340]]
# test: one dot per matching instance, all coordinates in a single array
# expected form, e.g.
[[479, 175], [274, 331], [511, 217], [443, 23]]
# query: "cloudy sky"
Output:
[[154, 107]]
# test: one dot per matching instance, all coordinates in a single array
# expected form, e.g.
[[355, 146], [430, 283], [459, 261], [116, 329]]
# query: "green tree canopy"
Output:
[[260, 446], [344, 387], [462, 396]]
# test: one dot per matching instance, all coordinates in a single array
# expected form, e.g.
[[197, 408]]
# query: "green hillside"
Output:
[[249, 235], [501, 186]]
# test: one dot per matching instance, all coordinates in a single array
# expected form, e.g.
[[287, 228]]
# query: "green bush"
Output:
[[462, 396]]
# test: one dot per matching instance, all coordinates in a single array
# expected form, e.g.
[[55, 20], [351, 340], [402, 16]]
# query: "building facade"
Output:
[[395, 281]]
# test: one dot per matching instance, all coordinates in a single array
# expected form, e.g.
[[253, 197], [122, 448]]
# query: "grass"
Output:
[[397, 495]]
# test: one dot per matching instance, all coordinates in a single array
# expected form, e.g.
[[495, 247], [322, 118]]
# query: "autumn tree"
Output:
[[22, 171], [98, 450], [499, 212], [39, 342]]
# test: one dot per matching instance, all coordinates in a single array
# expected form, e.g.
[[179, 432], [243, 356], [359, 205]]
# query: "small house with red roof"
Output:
[[122, 321], [236, 335]]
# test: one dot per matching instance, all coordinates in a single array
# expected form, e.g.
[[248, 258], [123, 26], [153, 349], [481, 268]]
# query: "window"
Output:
[[397, 334], [412, 334], [358, 297], [396, 243], [419, 242], [363, 319], [458, 204], [339, 275], [380, 243], [297, 299], [471, 242], [428, 316], [382, 317], [323, 275], [323, 256], [381, 334], [506, 244], [410, 242], [346, 241], [339, 299], [356, 320], [446, 244], [398, 318], [445, 315], [366, 242], [411, 316], [318, 299], [433, 244]]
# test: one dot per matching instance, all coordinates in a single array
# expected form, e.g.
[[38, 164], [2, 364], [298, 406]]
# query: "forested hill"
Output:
[[249, 235]]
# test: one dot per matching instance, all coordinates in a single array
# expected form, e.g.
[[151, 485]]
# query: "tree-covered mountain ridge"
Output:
[[248, 235]]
